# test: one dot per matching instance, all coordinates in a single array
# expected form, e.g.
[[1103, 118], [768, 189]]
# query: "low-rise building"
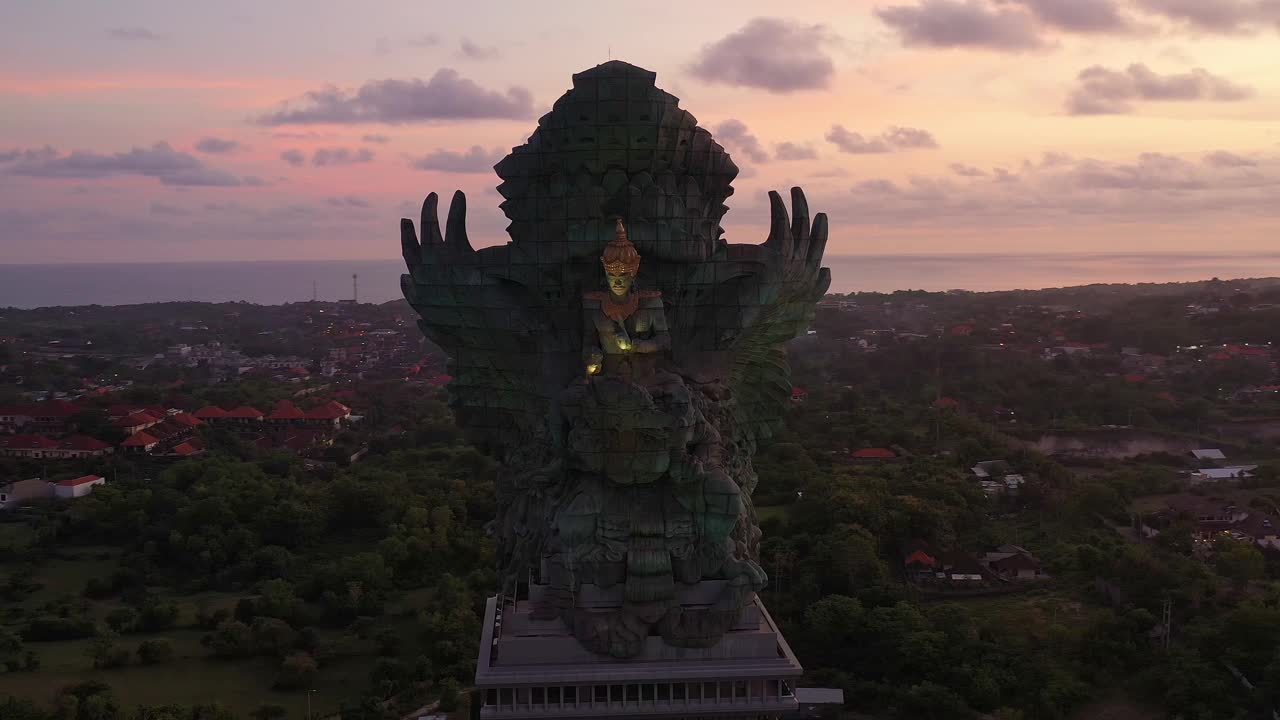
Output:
[[1012, 562], [1226, 474], [24, 492], [78, 487]]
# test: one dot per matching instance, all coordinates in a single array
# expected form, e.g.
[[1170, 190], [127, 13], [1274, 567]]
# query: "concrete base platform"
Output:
[[536, 669]]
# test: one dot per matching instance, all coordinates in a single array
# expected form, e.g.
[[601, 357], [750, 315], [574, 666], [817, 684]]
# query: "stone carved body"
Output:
[[625, 418]]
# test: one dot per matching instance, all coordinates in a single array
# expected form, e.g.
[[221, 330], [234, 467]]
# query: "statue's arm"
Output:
[[658, 338], [592, 351]]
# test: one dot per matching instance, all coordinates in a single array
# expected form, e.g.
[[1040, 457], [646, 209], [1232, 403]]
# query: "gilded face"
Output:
[[619, 284]]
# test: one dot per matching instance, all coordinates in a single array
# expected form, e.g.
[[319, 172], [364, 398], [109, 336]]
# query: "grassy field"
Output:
[[193, 676], [1240, 496], [773, 511], [241, 685]]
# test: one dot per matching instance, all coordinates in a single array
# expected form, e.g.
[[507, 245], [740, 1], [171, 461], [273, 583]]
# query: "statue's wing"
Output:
[[740, 307], [483, 308]]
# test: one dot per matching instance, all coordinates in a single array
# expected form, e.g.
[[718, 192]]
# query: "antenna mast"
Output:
[[355, 289]]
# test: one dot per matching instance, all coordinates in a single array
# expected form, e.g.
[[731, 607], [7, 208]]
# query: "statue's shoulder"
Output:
[[650, 298], [594, 298]]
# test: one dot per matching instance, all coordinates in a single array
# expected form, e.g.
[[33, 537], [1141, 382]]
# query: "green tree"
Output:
[[269, 712], [122, 619], [1239, 561], [155, 652], [11, 650], [297, 672]]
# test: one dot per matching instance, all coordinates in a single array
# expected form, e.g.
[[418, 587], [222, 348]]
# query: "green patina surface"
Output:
[[626, 436]]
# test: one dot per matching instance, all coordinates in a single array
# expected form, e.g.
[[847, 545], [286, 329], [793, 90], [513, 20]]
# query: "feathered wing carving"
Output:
[[734, 311], [486, 310]]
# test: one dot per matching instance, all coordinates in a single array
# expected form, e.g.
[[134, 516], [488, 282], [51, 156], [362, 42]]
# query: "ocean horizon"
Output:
[[274, 282]]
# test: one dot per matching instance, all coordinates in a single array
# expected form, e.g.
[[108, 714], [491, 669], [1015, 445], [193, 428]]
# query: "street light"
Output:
[[309, 694]]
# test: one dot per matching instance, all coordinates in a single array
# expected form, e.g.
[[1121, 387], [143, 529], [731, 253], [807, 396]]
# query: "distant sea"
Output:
[[276, 282]]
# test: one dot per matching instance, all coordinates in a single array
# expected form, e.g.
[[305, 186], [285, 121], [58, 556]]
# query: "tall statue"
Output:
[[625, 400]]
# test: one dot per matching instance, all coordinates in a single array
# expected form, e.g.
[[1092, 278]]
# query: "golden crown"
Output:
[[620, 256]]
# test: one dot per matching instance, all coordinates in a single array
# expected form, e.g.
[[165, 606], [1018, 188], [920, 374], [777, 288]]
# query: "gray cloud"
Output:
[[217, 146], [962, 23], [967, 170], [307, 135], [905, 137], [1060, 190], [1102, 91], [134, 33], [1080, 16], [347, 201], [881, 187], [786, 151], [1223, 16], [771, 54], [895, 138], [425, 40], [446, 96], [475, 160], [375, 138], [340, 156], [473, 51], [28, 155], [1224, 159], [734, 134], [158, 208], [294, 157], [160, 161], [852, 142]]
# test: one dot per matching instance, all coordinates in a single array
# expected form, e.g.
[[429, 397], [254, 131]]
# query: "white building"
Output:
[[78, 487], [1227, 474]]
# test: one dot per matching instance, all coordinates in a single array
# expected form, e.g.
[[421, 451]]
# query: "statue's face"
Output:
[[620, 284]]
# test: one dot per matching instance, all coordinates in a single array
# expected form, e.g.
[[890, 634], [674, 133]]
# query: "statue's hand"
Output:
[[433, 249], [624, 344], [800, 243]]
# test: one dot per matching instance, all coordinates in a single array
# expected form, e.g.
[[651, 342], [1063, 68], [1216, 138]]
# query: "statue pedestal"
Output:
[[531, 668]]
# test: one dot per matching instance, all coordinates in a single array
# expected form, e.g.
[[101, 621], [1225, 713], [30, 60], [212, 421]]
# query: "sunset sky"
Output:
[[174, 130]]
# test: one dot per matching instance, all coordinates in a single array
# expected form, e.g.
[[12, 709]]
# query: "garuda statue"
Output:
[[621, 360]]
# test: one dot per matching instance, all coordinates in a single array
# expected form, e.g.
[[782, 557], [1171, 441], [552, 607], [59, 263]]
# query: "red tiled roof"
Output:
[[883, 453], [82, 480], [286, 410], [189, 447], [138, 419], [329, 411], [210, 411], [82, 442], [187, 419], [28, 442], [920, 557], [139, 439], [245, 411]]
